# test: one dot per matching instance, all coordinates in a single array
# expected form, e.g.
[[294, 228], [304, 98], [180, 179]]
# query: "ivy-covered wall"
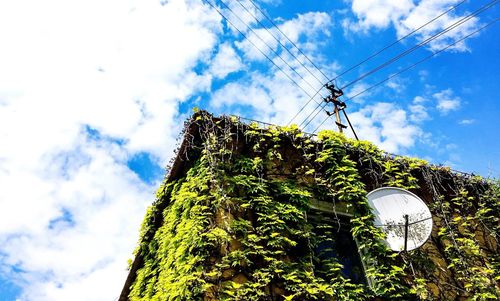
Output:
[[231, 221]]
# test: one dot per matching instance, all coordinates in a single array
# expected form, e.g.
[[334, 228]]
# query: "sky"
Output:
[[94, 94]]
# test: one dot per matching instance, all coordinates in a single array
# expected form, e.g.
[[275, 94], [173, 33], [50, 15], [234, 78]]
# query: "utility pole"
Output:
[[337, 105]]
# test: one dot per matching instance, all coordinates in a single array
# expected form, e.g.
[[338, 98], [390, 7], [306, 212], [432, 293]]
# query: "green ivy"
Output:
[[235, 226]]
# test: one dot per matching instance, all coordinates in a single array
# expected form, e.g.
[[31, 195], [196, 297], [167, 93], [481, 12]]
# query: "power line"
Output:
[[397, 41], [370, 57], [274, 51], [262, 52], [289, 40], [323, 122], [348, 121], [311, 98], [426, 41], [322, 107], [288, 50], [301, 52], [329, 115], [411, 66], [425, 59], [456, 24], [277, 40]]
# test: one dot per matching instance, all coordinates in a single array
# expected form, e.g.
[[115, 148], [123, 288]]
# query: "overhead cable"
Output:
[[454, 25], [271, 48], [323, 122], [416, 63], [321, 106], [279, 42], [253, 44], [315, 115], [424, 59], [300, 51], [286, 37], [397, 41], [368, 58], [310, 99], [425, 42]]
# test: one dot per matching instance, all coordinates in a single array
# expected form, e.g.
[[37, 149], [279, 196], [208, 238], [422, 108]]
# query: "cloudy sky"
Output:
[[93, 95]]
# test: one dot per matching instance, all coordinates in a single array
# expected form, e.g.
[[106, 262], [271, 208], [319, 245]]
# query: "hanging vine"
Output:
[[234, 223]]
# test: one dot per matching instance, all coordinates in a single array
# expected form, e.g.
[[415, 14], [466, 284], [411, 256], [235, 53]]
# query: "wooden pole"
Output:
[[337, 117]]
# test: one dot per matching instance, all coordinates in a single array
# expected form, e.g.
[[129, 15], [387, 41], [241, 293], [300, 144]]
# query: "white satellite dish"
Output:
[[402, 215]]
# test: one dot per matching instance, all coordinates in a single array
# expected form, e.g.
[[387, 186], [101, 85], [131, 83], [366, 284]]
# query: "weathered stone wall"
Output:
[[231, 222]]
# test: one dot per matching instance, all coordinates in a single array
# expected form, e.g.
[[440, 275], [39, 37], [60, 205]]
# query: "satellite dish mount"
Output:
[[403, 216]]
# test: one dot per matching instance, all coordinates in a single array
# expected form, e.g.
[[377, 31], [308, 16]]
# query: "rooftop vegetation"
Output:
[[231, 221]]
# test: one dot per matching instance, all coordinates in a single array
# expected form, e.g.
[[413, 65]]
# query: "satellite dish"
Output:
[[402, 215]]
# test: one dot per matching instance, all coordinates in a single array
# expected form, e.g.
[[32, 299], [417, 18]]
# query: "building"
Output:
[[268, 213]]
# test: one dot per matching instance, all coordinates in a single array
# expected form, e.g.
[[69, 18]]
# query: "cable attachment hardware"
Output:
[[333, 91], [337, 105]]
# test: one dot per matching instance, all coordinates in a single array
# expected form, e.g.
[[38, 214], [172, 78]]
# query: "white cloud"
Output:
[[303, 31], [380, 13], [356, 90], [270, 95], [423, 74], [70, 207], [225, 62], [270, 98], [425, 11], [60, 257], [386, 125], [419, 100], [239, 94], [406, 16], [418, 109], [241, 14], [418, 113], [396, 84], [70, 218], [446, 101], [467, 121], [308, 25]]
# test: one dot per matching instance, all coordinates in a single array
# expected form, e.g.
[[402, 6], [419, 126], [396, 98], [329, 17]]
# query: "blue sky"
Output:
[[94, 95]]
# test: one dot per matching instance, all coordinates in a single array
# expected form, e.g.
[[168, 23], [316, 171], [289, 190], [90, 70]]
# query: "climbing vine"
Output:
[[234, 223]]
